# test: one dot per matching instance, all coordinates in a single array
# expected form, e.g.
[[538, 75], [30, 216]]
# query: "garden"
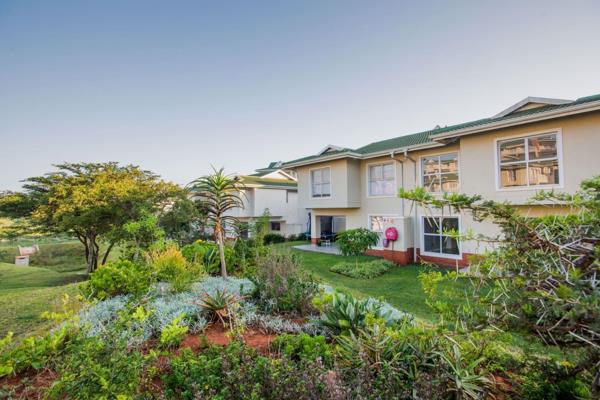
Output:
[[169, 315]]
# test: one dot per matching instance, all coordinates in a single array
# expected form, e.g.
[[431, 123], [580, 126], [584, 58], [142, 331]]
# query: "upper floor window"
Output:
[[382, 179], [440, 173], [320, 182], [529, 161]]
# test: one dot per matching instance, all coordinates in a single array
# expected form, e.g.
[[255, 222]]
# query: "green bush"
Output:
[[207, 254], [115, 278], [239, 372], [173, 334], [272, 238], [170, 265], [282, 287], [342, 313], [364, 270], [303, 347]]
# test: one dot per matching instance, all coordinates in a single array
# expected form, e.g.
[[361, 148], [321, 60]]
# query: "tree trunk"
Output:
[[110, 246], [220, 241], [91, 251]]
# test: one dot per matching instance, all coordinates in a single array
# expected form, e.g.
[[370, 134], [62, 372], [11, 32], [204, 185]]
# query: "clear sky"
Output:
[[174, 86]]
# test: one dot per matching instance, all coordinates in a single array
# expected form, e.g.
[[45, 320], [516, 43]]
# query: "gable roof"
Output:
[[531, 101], [514, 115]]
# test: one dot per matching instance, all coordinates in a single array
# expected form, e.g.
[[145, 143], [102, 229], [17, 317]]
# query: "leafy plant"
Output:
[[171, 266], [173, 334], [282, 287], [354, 242], [272, 238], [343, 313], [207, 254], [303, 347], [118, 278], [363, 270], [465, 381], [218, 194]]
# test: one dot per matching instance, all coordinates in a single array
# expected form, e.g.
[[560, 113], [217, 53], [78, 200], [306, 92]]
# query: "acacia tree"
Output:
[[218, 195], [91, 201]]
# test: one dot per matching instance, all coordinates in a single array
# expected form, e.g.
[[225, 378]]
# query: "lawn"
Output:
[[400, 287], [26, 292]]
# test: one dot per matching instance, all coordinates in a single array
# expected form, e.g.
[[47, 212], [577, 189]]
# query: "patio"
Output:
[[331, 249]]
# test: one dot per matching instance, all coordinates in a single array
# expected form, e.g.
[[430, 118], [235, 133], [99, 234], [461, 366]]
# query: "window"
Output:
[[379, 223], [276, 226], [529, 161], [321, 182], [435, 236], [382, 179], [440, 173]]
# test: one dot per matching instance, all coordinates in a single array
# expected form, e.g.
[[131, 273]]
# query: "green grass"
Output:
[[400, 286], [26, 292]]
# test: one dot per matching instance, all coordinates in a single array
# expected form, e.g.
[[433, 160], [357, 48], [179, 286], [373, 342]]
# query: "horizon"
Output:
[[178, 87]]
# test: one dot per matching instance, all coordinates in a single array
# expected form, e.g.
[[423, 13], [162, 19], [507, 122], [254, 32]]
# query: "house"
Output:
[[273, 189], [537, 143]]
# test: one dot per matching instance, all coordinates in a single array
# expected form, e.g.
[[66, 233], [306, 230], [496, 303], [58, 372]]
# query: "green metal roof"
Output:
[[256, 180], [429, 136]]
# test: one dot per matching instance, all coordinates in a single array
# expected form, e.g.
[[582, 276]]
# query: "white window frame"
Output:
[[458, 256], [369, 216], [422, 172], [311, 183], [368, 182], [559, 156]]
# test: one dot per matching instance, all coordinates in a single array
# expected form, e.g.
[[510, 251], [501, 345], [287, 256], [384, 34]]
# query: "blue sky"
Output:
[[175, 86]]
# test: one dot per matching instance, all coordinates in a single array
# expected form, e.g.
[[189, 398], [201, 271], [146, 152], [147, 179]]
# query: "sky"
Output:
[[178, 86]]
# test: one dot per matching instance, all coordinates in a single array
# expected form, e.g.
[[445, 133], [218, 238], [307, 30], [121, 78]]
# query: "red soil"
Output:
[[216, 334], [30, 385]]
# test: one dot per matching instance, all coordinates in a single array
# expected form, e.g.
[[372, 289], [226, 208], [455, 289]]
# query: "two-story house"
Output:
[[273, 189], [538, 143]]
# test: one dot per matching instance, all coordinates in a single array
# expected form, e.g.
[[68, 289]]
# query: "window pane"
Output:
[[377, 224], [449, 245], [430, 225], [432, 183], [388, 188], [432, 243], [512, 150], [543, 172], [449, 182], [375, 172], [431, 165], [449, 163], [388, 171], [325, 175], [513, 175], [449, 224], [326, 189], [375, 188], [316, 176], [542, 147]]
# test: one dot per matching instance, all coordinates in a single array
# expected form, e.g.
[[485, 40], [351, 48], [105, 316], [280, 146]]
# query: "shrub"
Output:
[[171, 266], [303, 347], [364, 270], [272, 238], [117, 278], [207, 254], [343, 313], [173, 334], [282, 287], [238, 372], [354, 242]]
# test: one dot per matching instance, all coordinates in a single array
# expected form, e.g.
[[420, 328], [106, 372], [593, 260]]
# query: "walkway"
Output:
[[333, 249]]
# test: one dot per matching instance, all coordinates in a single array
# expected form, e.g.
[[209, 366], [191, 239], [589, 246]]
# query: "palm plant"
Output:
[[218, 194]]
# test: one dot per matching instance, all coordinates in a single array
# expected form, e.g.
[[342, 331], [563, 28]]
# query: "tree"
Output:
[[354, 242], [92, 201], [543, 276], [182, 220], [218, 195]]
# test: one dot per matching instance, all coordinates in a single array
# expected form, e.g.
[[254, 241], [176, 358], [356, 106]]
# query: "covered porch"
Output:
[[325, 228]]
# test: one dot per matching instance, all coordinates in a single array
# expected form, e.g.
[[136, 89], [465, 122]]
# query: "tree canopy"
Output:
[[92, 201]]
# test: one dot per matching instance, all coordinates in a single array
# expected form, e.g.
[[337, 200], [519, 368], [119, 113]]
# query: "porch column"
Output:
[[315, 228]]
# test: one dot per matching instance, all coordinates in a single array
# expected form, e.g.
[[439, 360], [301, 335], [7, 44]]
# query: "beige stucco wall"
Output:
[[580, 147], [345, 187]]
